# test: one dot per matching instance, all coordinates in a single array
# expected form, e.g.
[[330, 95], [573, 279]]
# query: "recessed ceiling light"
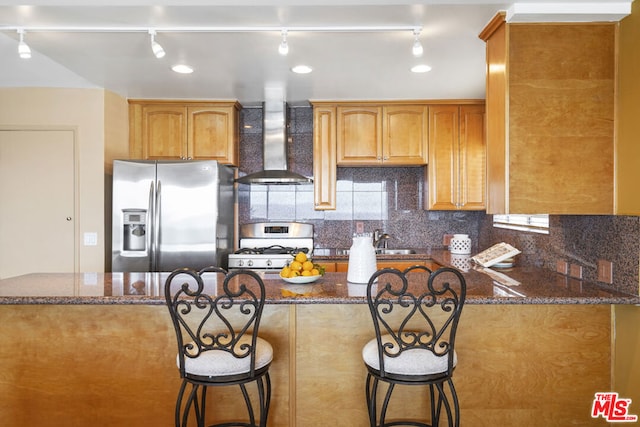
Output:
[[422, 68], [182, 69], [302, 69]]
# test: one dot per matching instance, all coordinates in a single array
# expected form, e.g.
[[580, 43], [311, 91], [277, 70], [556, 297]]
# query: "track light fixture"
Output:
[[23, 48], [417, 49], [158, 51], [283, 49]]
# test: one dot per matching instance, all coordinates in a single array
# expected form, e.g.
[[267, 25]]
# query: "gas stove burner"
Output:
[[274, 249]]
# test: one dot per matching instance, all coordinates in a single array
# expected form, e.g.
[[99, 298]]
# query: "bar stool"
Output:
[[415, 315], [216, 316]]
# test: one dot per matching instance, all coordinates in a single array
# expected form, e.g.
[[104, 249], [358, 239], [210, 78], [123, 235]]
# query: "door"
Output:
[[212, 134], [187, 198], [37, 213], [359, 135], [164, 132], [132, 215], [405, 136]]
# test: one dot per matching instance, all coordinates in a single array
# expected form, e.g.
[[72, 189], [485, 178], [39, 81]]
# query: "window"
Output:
[[532, 223]]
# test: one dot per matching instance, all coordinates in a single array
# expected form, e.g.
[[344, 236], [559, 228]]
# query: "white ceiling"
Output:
[[242, 65]]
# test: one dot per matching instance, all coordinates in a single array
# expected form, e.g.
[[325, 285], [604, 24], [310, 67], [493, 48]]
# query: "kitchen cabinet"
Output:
[[456, 170], [550, 117], [184, 130], [364, 134], [324, 157], [382, 135]]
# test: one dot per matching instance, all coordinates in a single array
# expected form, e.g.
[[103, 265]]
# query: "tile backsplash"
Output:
[[391, 199]]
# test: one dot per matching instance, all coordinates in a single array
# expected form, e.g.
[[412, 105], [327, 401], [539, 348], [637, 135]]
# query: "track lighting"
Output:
[[23, 49], [158, 51], [283, 49], [417, 49]]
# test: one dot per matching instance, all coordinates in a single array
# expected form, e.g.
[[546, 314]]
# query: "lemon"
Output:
[[301, 257], [305, 273], [315, 272], [307, 266], [295, 266], [294, 273], [285, 272]]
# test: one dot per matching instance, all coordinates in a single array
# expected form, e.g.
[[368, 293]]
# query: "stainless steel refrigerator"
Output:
[[171, 214]]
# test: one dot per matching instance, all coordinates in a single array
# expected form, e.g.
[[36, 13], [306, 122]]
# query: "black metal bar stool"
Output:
[[415, 315], [216, 316]]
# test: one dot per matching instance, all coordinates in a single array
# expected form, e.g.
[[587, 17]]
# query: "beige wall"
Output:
[[99, 120]]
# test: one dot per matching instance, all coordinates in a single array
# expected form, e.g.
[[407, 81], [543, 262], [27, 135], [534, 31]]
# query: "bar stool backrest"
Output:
[[213, 310], [416, 309]]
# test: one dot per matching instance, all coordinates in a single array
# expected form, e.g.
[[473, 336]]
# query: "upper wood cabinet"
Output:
[[324, 157], [456, 171], [184, 130], [381, 135], [550, 117]]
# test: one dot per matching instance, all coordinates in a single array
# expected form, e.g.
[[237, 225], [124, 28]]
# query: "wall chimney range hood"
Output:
[[274, 150]]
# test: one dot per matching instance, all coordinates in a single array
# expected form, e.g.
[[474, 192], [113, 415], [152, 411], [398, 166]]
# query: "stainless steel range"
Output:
[[271, 245]]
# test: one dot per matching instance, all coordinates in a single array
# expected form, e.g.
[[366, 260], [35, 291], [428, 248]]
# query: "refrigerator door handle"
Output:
[[157, 228], [152, 226]]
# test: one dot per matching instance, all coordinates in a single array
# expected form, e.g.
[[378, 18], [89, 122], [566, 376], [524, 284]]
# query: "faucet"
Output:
[[379, 237]]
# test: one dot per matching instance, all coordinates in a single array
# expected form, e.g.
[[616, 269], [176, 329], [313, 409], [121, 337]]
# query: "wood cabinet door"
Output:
[[164, 132], [324, 157], [212, 134], [443, 169], [359, 135], [405, 135], [472, 158], [457, 155]]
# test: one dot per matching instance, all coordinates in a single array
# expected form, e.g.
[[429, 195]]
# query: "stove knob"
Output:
[[269, 263], [249, 263], [240, 263]]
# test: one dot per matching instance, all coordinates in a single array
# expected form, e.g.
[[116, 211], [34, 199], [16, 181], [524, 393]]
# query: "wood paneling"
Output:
[[628, 108], [627, 355], [496, 37], [115, 365], [518, 365], [110, 366]]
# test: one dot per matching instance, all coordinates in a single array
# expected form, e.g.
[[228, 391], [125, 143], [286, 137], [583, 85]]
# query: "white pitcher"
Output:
[[362, 259]]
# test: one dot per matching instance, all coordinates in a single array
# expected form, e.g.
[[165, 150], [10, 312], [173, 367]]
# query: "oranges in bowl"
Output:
[[301, 266]]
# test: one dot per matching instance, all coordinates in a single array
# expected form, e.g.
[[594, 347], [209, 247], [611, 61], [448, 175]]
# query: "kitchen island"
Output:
[[99, 349]]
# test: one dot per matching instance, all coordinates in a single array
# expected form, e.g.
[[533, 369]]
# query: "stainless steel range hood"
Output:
[[274, 151]]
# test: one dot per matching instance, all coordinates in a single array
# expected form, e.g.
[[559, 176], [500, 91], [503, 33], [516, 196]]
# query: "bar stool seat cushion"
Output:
[[415, 361], [213, 363]]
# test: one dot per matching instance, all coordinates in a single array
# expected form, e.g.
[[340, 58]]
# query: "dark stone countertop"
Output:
[[517, 285]]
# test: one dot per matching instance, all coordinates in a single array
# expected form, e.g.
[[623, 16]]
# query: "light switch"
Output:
[[91, 239]]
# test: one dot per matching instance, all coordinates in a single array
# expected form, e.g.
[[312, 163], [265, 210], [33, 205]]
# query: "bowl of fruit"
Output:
[[301, 270]]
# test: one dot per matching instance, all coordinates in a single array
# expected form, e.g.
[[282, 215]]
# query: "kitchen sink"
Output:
[[387, 251], [382, 251]]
